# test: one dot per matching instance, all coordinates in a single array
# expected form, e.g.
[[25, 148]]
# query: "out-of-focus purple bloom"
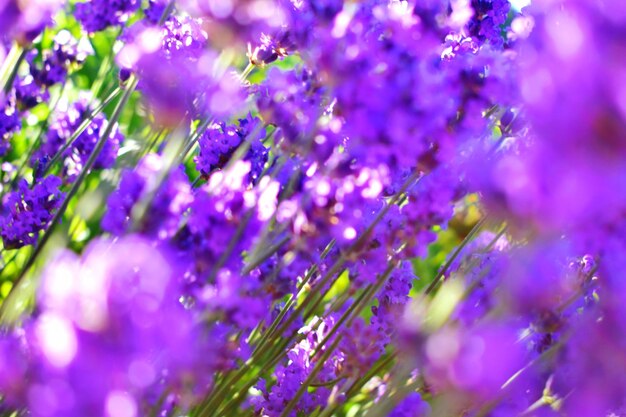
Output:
[[413, 405], [177, 75], [14, 353], [24, 20], [565, 142], [170, 201], [478, 360], [219, 142]]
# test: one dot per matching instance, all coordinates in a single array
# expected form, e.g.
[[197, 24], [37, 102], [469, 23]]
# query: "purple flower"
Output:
[[63, 127], [411, 406], [97, 15], [219, 142], [238, 22], [9, 123], [291, 374], [178, 76], [108, 342], [488, 21], [27, 211], [478, 361], [155, 10]]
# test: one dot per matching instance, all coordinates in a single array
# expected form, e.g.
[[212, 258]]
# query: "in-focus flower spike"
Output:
[[291, 374], [413, 405], [28, 93], [487, 23], [430, 203], [154, 11], [9, 123], [333, 203], [28, 211], [219, 142], [392, 299], [49, 68], [225, 220], [63, 126], [53, 65], [270, 48]]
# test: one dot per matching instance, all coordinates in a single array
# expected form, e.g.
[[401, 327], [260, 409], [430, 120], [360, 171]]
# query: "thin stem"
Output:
[[266, 255], [333, 403], [456, 253], [81, 128], [246, 72], [357, 307]]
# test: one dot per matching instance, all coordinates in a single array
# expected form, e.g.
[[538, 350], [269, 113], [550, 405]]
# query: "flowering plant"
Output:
[[312, 208]]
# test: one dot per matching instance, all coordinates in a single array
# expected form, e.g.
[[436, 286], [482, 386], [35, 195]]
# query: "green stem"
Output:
[[81, 128], [246, 72], [382, 364], [215, 399], [398, 390]]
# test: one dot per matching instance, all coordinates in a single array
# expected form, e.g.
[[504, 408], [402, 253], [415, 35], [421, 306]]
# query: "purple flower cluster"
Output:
[[291, 375], [97, 15], [75, 153], [49, 68], [475, 143], [116, 308], [170, 199], [27, 211]]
